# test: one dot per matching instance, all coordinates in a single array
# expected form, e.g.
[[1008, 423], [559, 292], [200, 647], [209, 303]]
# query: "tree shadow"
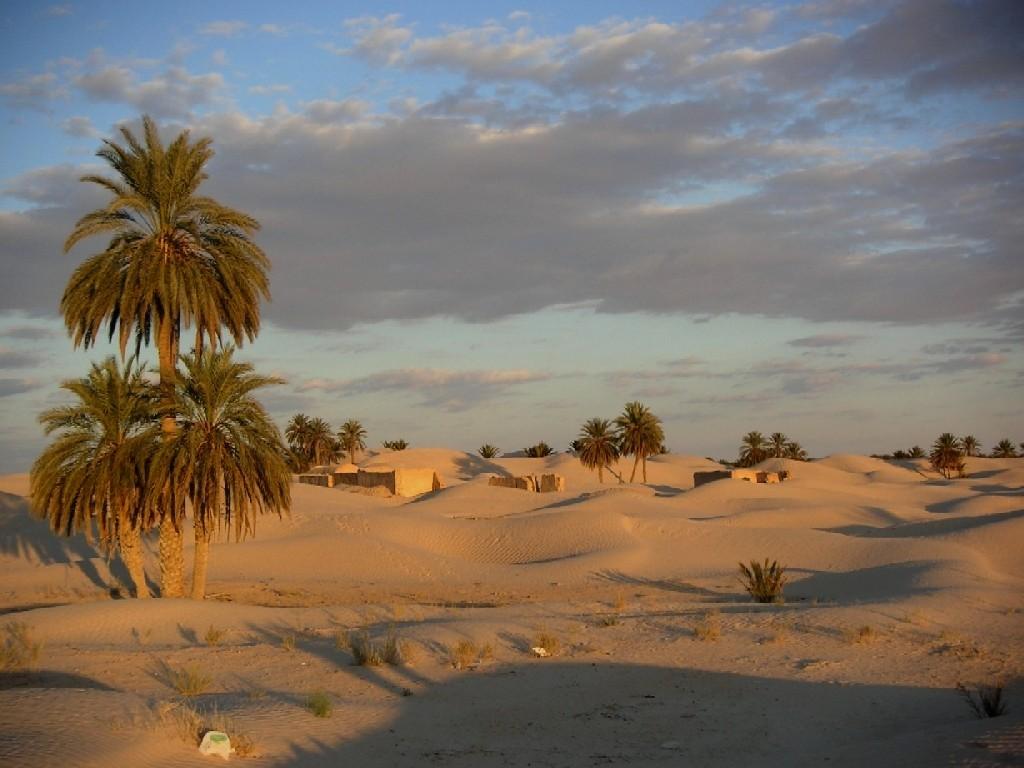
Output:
[[666, 585], [896, 581], [556, 712], [470, 466], [23, 535], [926, 528], [48, 678]]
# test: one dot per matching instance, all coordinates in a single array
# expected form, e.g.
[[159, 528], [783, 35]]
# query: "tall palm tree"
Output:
[[597, 446], [94, 474], [946, 456], [639, 435], [226, 459], [753, 449], [1004, 449], [297, 434], [322, 447], [352, 437], [970, 445], [778, 445], [916, 452], [175, 259], [795, 451]]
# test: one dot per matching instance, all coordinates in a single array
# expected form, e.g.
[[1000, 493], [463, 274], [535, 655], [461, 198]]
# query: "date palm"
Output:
[[970, 445], [322, 446], [639, 435], [795, 451], [777, 445], [597, 446], [753, 450], [92, 477], [297, 434], [488, 451], [175, 259], [916, 452], [1004, 449], [226, 458], [352, 437], [946, 455]]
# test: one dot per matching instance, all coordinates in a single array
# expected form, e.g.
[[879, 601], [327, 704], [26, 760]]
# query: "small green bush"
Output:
[[367, 652], [764, 581], [320, 704]]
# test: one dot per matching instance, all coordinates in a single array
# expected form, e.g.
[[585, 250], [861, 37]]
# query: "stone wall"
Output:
[[750, 475], [533, 483]]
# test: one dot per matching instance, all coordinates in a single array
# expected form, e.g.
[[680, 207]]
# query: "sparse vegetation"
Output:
[[947, 456], [182, 718], [709, 628], [320, 704], [288, 642], [466, 654], [538, 451], [864, 635], [1005, 449], [214, 636], [984, 700], [395, 445], [488, 451], [547, 642], [608, 620], [188, 681], [18, 650], [764, 581], [367, 652]]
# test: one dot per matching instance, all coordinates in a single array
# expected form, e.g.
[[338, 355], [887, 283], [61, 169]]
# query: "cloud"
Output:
[[60, 10], [377, 39], [825, 340], [12, 358], [450, 390], [223, 28], [270, 88], [9, 387], [79, 127], [33, 92], [28, 332], [173, 93]]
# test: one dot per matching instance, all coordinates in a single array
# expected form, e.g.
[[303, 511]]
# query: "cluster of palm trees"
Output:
[[129, 456], [313, 442], [755, 448], [637, 432], [968, 446]]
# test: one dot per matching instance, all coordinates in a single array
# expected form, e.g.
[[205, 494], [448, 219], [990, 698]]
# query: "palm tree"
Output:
[[945, 456], [226, 459], [297, 435], [488, 451], [94, 474], [597, 446], [1004, 449], [752, 451], [352, 437], [321, 446], [970, 445], [916, 452], [639, 435], [778, 445], [538, 451], [795, 451], [175, 259]]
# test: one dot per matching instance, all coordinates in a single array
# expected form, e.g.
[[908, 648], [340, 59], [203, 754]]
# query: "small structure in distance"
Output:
[[534, 483], [750, 475], [401, 481]]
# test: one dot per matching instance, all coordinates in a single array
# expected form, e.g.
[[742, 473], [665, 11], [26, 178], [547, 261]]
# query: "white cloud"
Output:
[[223, 28]]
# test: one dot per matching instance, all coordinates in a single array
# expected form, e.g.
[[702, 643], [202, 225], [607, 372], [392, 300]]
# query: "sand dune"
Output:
[[933, 566]]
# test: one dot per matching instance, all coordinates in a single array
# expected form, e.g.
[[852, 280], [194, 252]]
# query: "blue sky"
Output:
[[490, 222]]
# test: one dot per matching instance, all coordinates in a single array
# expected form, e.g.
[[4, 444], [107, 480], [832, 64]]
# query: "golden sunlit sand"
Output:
[[903, 585]]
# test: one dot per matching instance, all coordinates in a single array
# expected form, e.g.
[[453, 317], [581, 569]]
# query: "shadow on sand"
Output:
[[554, 713]]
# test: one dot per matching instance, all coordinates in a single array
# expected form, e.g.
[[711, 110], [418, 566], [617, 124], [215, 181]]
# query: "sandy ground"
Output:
[[620, 576]]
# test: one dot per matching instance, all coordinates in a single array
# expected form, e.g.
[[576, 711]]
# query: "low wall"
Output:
[[533, 483], [750, 475], [317, 478]]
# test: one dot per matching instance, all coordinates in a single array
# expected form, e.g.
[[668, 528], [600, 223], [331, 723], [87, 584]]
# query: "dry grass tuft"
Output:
[[709, 628], [187, 681], [764, 581], [320, 704], [466, 654], [608, 620], [367, 652], [778, 634], [18, 650], [182, 718], [214, 636], [288, 642], [547, 642], [984, 700], [863, 636]]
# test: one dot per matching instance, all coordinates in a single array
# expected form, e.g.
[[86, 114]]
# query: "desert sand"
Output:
[[902, 585]]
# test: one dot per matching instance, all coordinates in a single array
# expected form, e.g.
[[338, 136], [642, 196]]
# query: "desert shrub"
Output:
[[187, 681], [182, 718], [320, 704], [548, 642], [395, 445], [708, 629], [367, 652], [18, 650], [214, 636], [488, 451], [863, 635], [764, 581], [288, 642], [538, 451], [984, 700], [608, 620], [466, 654]]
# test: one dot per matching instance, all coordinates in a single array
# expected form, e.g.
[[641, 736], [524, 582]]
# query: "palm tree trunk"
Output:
[[200, 562], [172, 557], [636, 463], [600, 474], [643, 463], [129, 544]]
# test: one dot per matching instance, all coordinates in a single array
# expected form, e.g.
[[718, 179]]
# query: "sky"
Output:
[[489, 222]]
